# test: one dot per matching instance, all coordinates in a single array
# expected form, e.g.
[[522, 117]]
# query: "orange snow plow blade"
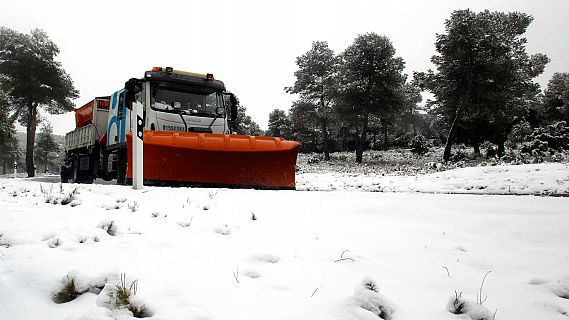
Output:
[[207, 159]]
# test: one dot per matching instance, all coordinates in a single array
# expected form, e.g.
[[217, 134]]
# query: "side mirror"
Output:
[[232, 102], [234, 105], [131, 87]]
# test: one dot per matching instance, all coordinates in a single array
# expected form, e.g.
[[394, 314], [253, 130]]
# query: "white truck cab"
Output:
[[172, 100]]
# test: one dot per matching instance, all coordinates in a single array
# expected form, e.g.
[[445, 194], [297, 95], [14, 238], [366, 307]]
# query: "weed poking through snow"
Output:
[[123, 295], [342, 258], [109, 226], [479, 299], [74, 284], [367, 295], [62, 197], [475, 310], [456, 305], [236, 275], [68, 291], [4, 242], [133, 207]]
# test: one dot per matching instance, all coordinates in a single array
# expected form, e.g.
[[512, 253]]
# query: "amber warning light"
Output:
[[170, 70]]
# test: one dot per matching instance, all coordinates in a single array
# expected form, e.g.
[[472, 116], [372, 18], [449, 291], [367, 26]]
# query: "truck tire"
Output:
[[77, 176], [121, 169], [75, 172], [64, 174]]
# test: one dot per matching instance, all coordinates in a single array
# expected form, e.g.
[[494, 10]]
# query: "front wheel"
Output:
[[121, 168], [64, 174]]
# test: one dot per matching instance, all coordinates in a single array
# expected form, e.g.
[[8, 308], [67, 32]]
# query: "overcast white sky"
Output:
[[250, 45]]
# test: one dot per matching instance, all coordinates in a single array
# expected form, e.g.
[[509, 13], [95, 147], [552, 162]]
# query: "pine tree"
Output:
[[45, 145], [5, 123], [370, 83], [484, 75], [303, 125], [244, 124], [32, 78], [279, 124], [9, 149], [556, 98], [316, 84]]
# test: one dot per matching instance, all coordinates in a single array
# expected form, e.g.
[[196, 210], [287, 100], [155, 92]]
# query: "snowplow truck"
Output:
[[187, 137]]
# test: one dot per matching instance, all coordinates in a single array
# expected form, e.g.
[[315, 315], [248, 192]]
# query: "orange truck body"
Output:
[[84, 115]]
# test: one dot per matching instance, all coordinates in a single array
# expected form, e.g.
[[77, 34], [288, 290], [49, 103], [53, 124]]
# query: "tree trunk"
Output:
[[385, 136], [31, 138], [450, 136], [499, 137], [323, 123], [475, 143], [45, 163], [344, 138], [465, 101], [413, 123], [362, 139], [476, 147]]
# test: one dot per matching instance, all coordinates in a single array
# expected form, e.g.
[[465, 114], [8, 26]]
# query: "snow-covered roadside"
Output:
[[527, 179], [198, 254]]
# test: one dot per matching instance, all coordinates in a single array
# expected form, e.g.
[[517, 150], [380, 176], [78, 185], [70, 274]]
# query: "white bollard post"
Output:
[[137, 147], [15, 169]]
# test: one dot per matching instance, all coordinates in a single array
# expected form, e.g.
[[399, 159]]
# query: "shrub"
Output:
[[63, 198], [75, 284], [519, 132], [124, 298], [548, 139], [404, 140], [419, 145], [459, 155], [68, 291]]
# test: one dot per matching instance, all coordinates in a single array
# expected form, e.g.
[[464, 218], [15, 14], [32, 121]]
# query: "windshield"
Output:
[[200, 103]]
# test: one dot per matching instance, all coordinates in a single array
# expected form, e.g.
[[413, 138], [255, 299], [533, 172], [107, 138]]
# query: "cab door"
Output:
[[119, 120]]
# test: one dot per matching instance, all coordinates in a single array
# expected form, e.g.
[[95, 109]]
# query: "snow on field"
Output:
[[250, 254], [536, 179]]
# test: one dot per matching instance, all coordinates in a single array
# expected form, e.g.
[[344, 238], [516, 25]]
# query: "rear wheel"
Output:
[[64, 174], [75, 172]]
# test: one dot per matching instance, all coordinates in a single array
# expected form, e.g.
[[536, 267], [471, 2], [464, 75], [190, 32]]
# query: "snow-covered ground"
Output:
[[527, 179], [199, 254]]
